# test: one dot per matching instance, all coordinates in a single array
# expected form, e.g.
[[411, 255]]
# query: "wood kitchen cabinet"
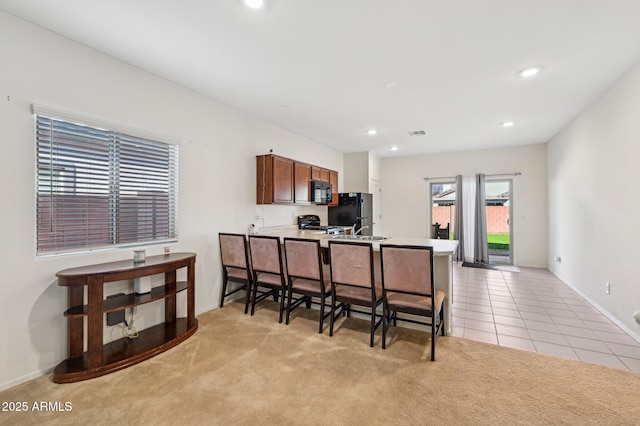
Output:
[[302, 179], [318, 173], [333, 180], [281, 180], [274, 179]]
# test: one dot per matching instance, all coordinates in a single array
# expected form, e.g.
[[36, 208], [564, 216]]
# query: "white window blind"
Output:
[[98, 187]]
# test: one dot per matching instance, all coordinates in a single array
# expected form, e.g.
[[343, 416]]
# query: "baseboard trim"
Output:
[[23, 379], [603, 311]]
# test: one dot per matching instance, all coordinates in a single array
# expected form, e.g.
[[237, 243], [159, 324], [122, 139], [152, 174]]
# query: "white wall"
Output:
[[217, 177], [360, 169], [406, 194], [290, 145], [593, 201], [356, 172], [375, 167]]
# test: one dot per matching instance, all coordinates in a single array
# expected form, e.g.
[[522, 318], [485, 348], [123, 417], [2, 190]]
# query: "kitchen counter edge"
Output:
[[440, 247]]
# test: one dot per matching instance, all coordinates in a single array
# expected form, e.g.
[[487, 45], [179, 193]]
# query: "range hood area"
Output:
[[321, 192]]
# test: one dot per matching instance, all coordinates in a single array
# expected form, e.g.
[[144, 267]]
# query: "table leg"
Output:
[[170, 302], [75, 325], [191, 296], [94, 321]]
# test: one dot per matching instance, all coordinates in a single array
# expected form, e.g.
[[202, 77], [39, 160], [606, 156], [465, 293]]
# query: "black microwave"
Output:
[[321, 192]]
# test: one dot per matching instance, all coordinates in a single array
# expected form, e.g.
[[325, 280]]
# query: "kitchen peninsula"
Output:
[[443, 252]]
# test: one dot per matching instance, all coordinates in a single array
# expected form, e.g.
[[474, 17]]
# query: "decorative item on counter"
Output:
[[167, 249], [139, 256], [253, 229]]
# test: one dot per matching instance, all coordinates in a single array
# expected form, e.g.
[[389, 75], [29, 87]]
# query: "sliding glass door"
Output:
[[443, 209], [498, 205]]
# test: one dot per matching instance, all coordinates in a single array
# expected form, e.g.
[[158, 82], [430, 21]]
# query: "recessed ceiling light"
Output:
[[372, 132], [255, 4], [284, 107], [394, 148], [391, 85], [508, 124], [529, 72]]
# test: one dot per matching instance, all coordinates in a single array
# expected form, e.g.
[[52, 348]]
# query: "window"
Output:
[[98, 187], [443, 208]]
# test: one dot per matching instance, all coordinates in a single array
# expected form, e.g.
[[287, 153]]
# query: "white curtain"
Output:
[[469, 216]]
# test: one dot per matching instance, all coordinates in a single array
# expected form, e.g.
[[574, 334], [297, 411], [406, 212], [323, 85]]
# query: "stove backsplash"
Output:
[[268, 215]]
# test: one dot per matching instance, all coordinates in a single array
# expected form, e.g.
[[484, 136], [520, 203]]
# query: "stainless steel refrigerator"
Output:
[[354, 208]]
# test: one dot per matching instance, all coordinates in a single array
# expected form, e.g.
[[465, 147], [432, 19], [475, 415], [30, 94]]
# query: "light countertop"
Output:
[[440, 247]]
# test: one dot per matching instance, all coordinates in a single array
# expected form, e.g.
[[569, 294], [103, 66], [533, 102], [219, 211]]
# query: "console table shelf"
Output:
[[124, 352], [99, 359], [130, 300]]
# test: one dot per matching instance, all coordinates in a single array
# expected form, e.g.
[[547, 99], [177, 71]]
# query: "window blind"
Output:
[[98, 187]]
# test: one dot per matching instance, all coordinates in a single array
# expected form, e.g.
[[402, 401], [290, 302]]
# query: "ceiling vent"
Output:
[[417, 133]]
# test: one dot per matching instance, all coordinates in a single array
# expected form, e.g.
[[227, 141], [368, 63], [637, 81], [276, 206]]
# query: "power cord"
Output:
[[130, 330]]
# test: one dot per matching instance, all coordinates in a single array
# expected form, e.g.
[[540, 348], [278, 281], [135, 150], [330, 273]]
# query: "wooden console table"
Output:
[[102, 359]]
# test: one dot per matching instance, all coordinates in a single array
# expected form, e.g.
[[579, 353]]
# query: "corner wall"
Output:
[[593, 174]]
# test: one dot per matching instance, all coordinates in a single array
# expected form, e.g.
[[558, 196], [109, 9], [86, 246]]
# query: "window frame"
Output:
[[143, 191], [430, 222]]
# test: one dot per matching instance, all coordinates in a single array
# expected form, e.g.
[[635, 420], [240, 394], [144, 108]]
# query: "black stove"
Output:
[[312, 222]]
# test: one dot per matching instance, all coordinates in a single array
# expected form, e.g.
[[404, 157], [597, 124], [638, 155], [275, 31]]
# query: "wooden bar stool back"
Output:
[[409, 287], [353, 282], [306, 275], [268, 271], [235, 266]]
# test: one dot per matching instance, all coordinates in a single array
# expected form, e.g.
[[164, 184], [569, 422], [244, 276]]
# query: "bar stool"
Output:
[[235, 266], [352, 281], [306, 275], [409, 286], [266, 263]]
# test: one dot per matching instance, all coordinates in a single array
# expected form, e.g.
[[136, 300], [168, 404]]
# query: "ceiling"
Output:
[[330, 70]]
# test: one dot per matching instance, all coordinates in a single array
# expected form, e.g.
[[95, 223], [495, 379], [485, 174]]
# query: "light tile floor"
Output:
[[534, 310]]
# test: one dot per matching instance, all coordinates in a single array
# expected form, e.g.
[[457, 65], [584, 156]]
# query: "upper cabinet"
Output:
[[281, 180], [274, 179], [333, 180], [318, 173], [302, 179]]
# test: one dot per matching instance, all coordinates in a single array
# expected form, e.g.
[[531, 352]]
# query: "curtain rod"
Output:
[[426, 179]]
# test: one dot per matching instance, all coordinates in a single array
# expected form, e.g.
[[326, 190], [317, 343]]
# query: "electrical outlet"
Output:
[[558, 259], [117, 317], [607, 288]]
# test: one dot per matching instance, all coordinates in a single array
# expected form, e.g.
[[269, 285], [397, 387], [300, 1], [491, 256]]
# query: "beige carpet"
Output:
[[239, 369]]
